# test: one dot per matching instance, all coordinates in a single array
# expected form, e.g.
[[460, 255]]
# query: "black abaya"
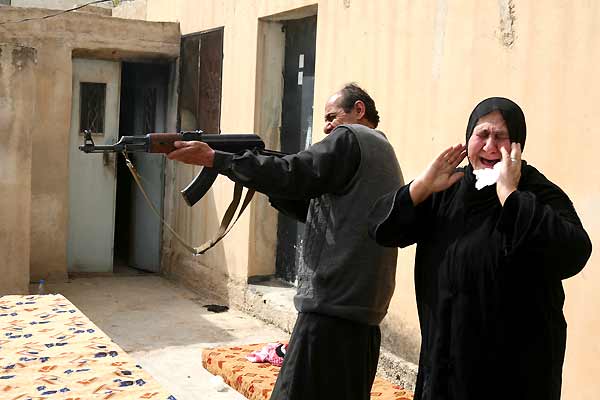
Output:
[[488, 279], [488, 284]]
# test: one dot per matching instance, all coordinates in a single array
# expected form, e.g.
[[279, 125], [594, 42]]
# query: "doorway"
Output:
[[296, 128], [143, 110]]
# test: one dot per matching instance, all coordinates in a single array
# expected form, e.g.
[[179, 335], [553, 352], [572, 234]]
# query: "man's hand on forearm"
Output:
[[193, 152]]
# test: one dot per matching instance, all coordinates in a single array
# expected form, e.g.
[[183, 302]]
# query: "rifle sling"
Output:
[[225, 222]]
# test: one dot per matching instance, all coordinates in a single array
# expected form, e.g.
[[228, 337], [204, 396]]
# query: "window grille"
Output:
[[92, 107]]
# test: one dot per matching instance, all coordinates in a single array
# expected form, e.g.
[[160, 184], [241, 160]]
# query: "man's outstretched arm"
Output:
[[325, 167]]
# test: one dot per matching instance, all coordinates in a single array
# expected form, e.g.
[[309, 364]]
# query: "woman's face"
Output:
[[489, 135]]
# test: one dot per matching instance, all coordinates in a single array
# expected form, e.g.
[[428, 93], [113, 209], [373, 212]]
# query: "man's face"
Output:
[[335, 115], [489, 135]]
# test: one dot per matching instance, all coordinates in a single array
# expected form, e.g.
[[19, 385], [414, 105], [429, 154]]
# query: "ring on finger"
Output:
[[514, 159]]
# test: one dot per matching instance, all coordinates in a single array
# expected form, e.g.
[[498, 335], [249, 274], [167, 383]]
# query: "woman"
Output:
[[489, 264]]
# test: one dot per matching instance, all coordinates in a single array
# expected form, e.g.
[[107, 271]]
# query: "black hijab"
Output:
[[481, 200], [511, 112]]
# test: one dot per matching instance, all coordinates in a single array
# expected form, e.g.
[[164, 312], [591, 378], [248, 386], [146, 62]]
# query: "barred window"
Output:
[[92, 106]]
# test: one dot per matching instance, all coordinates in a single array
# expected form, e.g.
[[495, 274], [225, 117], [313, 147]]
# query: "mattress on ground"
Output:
[[51, 350], [256, 380]]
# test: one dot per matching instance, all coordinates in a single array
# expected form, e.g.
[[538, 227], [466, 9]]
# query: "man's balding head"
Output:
[[350, 105]]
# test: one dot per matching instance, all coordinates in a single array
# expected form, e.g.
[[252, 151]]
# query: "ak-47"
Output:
[[163, 143]]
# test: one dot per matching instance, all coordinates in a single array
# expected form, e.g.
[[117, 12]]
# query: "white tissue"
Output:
[[487, 176], [218, 384]]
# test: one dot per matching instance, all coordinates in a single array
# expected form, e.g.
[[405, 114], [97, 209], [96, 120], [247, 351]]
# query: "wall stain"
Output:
[[441, 17], [506, 31], [16, 106], [22, 56]]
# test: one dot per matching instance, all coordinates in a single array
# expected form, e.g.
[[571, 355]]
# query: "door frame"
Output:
[[262, 247]]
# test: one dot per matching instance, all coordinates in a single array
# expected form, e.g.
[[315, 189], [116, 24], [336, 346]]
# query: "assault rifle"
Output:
[[163, 143]]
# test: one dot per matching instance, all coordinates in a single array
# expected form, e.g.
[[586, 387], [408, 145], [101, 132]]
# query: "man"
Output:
[[345, 280]]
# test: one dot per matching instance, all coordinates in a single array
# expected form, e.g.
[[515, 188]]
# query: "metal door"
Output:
[[92, 177], [296, 134]]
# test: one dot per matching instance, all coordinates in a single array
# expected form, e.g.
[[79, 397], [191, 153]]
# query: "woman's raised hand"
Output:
[[510, 172], [439, 175]]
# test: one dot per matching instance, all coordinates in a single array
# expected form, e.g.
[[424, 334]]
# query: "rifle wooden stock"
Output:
[[162, 142], [229, 142]]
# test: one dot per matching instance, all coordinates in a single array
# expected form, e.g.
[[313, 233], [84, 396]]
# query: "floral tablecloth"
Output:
[[51, 350]]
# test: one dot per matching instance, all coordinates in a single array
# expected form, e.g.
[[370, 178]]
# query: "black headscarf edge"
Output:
[[511, 112]]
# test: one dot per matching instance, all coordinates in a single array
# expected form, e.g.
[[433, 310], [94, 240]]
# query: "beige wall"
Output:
[[18, 66], [427, 63], [250, 248], [56, 41]]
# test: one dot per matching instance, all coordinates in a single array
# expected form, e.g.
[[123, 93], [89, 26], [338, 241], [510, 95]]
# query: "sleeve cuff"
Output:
[[389, 212], [222, 161], [405, 202], [509, 212]]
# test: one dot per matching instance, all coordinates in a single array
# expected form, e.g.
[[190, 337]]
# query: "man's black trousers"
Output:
[[328, 358]]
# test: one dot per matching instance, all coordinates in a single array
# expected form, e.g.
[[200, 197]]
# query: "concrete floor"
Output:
[[164, 327]]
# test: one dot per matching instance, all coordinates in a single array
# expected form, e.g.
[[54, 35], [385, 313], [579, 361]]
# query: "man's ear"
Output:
[[360, 108]]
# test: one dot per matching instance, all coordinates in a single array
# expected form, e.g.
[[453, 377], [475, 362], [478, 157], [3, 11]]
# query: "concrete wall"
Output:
[[127, 9], [56, 40], [99, 8], [18, 66], [50, 4], [131, 9]]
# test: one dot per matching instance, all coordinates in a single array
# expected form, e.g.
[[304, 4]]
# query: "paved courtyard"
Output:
[[164, 327]]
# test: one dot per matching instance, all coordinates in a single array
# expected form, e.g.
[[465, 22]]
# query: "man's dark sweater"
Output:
[[344, 273]]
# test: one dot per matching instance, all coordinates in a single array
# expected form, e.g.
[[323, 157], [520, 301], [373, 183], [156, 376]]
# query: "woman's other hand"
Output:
[[439, 175], [510, 172]]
